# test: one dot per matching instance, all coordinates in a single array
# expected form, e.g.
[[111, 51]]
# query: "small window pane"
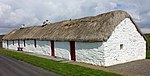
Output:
[[121, 46]]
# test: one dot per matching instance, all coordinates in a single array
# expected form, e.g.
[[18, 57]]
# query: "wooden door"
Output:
[[52, 48], [72, 50]]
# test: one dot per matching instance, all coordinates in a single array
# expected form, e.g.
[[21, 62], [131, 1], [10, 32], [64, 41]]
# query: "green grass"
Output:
[[148, 41], [1, 36], [0, 44], [56, 66], [148, 46], [148, 54]]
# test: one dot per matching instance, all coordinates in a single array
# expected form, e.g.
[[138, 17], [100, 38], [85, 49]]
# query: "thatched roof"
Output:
[[93, 28]]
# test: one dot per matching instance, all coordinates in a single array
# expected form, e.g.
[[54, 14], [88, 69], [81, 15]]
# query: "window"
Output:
[[24, 43], [52, 48], [35, 43], [121, 46], [13, 42]]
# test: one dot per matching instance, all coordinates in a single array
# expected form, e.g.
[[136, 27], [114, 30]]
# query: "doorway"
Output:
[[72, 50]]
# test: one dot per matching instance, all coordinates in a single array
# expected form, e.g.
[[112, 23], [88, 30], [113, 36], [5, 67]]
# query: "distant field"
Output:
[[1, 36], [148, 46], [148, 41]]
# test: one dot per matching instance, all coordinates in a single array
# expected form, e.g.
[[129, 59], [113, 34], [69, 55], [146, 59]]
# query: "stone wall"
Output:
[[90, 52], [124, 45], [13, 46], [42, 47], [62, 49]]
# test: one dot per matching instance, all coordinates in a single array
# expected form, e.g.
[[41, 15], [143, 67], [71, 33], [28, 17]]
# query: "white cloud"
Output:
[[145, 30], [31, 12], [149, 13]]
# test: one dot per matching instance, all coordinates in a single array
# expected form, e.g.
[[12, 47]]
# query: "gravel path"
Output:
[[136, 68], [12, 67]]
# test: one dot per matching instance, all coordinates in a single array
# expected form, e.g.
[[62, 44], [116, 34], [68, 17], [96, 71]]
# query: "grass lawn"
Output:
[[148, 41], [0, 44], [148, 46], [55, 66], [148, 54]]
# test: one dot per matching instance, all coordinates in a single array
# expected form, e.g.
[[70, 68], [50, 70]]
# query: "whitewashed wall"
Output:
[[11, 46], [29, 46], [21, 43], [4, 44], [43, 47], [90, 52], [62, 49], [134, 45]]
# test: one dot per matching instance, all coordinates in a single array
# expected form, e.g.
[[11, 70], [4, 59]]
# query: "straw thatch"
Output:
[[93, 28]]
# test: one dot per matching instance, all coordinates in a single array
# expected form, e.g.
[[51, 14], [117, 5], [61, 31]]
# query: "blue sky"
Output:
[[120, 6], [13, 13]]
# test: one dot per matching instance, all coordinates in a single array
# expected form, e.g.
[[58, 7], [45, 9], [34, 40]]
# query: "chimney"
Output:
[[46, 22], [22, 26]]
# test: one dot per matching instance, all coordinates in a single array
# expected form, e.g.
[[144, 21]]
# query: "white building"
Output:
[[106, 39]]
